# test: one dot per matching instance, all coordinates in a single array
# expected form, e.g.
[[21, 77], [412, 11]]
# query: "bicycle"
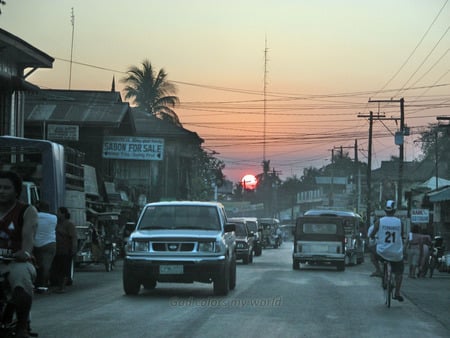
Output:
[[387, 282]]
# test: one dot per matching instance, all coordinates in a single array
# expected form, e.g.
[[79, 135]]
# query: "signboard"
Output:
[[133, 148], [420, 216], [63, 132]]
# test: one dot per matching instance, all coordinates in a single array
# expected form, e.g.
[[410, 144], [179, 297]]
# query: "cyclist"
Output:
[[390, 244]]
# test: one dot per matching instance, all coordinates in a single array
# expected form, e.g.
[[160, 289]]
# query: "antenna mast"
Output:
[[265, 87], [72, 20]]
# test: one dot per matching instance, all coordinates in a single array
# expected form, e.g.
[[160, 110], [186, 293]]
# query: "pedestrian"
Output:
[[372, 247], [390, 244], [18, 222], [44, 244], [413, 250], [66, 248], [425, 246]]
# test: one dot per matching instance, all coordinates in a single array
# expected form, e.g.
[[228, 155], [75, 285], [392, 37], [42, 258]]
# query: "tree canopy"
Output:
[[152, 91]]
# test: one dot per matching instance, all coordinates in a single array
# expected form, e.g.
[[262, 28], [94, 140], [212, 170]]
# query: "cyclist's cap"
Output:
[[390, 205]]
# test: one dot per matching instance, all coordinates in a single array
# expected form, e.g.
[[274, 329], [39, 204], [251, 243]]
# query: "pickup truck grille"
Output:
[[173, 246]]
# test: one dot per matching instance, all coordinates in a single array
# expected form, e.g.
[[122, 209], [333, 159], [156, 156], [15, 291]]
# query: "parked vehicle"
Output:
[[98, 241], [271, 233], [181, 242], [57, 175], [436, 258], [353, 223], [445, 267], [244, 240], [319, 240]]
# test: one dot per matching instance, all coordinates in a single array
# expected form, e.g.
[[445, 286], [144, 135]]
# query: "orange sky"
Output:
[[324, 61]]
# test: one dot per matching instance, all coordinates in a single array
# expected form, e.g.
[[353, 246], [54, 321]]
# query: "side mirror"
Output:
[[230, 227], [129, 228]]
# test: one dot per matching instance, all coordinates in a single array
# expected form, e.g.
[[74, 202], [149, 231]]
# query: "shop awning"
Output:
[[440, 195]]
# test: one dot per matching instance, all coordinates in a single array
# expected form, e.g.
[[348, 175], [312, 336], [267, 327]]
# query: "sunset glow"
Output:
[[324, 61]]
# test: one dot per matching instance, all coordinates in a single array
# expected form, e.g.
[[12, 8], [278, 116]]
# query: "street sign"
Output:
[[420, 216], [63, 132], [133, 148]]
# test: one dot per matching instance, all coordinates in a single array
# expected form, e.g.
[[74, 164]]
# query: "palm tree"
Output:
[[152, 91]]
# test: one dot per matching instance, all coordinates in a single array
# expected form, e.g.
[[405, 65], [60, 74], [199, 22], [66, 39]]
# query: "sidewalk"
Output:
[[432, 295]]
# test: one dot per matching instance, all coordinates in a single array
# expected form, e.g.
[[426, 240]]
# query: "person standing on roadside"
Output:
[[413, 250], [425, 246], [18, 222], [66, 248], [44, 243], [372, 247]]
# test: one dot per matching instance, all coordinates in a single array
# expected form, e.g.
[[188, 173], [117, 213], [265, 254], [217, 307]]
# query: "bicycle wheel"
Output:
[[389, 287], [432, 265]]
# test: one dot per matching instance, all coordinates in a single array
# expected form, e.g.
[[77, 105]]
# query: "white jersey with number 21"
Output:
[[389, 241]]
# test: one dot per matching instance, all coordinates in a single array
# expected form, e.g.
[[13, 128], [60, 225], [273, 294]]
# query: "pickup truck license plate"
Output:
[[171, 269]]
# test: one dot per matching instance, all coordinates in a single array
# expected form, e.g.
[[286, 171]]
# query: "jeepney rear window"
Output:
[[320, 228]]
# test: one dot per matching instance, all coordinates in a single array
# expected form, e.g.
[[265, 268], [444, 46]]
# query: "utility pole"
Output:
[[265, 100], [400, 143], [355, 171], [439, 118], [356, 178], [369, 165]]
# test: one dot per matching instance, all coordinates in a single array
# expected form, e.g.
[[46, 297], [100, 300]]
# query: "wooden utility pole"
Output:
[[369, 166]]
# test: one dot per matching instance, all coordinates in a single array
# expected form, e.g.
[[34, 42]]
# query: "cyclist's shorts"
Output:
[[397, 267]]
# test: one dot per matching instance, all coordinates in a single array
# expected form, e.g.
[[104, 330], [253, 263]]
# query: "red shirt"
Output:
[[11, 226]]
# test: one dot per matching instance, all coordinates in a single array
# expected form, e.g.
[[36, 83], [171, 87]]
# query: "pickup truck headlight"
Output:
[[140, 246], [207, 246], [241, 245]]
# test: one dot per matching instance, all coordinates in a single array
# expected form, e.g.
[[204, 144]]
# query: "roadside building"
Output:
[[148, 158], [16, 56]]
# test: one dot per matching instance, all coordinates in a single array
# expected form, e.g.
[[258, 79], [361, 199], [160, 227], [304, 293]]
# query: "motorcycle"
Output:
[[7, 308], [271, 237], [110, 252], [436, 258]]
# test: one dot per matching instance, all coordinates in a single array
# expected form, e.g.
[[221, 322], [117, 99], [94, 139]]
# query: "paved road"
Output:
[[270, 300]]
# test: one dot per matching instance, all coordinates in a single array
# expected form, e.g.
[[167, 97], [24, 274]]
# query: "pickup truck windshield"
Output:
[[180, 217], [240, 229]]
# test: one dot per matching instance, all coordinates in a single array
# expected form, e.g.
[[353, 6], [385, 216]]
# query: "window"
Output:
[[320, 228]]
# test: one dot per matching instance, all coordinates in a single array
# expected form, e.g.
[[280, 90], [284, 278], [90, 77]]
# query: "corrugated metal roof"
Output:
[[23, 54], [77, 107], [440, 195], [147, 125]]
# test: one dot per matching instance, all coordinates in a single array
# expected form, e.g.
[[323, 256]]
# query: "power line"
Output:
[[415, 48]]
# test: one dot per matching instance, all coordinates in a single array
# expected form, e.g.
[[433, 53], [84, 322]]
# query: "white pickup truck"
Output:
[[181, 242]]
